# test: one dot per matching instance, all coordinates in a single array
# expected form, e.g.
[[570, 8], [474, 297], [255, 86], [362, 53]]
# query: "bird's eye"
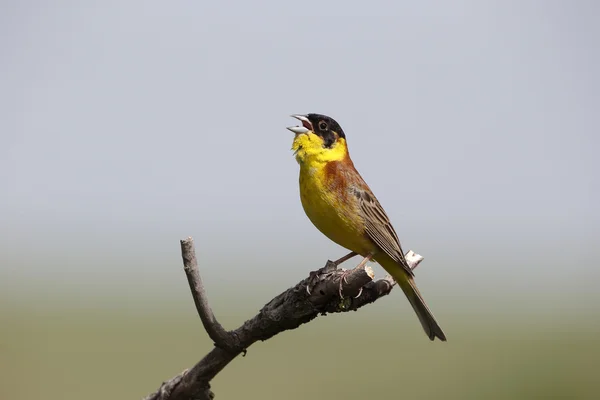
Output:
[[323, 125]]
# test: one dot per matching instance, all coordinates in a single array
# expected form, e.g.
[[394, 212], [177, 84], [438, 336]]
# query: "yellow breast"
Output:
[[326, 199]]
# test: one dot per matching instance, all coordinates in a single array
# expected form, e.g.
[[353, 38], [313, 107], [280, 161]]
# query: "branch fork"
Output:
[[318, 294]]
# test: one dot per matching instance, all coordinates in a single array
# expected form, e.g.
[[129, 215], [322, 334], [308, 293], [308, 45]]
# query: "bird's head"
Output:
[[319, 137]]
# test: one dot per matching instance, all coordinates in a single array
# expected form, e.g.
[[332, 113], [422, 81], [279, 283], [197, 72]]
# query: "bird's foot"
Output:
[[345, 273], [316, 276], [342, 281]]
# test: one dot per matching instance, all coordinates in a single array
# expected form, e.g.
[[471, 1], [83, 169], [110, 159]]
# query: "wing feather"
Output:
[[379, 228]]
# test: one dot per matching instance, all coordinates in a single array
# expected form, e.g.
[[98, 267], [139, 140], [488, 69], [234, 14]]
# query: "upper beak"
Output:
[[306, 125]]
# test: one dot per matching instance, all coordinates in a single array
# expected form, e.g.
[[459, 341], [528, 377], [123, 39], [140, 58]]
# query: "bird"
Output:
[[341, 205]]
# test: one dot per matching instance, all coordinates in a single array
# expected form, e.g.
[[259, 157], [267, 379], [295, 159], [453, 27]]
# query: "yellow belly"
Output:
[[334, 213]]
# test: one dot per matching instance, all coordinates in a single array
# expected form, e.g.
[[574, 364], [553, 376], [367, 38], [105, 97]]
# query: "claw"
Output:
[[342, 281], [359, 293], [346, 272]]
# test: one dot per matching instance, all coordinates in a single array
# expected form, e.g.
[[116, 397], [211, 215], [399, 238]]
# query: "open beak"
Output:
[[306, 125]]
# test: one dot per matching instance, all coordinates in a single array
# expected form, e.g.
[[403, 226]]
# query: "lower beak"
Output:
[[306, 125]]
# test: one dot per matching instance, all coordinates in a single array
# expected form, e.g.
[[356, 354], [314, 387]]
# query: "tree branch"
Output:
[[317, 294], [215, 330]]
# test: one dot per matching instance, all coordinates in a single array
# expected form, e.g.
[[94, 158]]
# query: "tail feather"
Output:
[[430, 325], [407, 283]]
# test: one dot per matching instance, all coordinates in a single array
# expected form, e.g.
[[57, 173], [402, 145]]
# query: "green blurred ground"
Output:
[[62, 352]]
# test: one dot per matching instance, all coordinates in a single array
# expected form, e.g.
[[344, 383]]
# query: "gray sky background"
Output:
[[126, 126]]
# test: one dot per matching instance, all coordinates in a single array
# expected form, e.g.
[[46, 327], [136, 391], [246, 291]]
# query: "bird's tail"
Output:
[[407, 283]]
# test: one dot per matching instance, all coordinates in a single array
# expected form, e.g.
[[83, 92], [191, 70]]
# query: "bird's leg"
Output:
[[345, 273], [345, 258], [332, 266]]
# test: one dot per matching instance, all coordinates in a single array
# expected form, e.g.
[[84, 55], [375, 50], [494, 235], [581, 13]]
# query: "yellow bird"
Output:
[[342, 206]]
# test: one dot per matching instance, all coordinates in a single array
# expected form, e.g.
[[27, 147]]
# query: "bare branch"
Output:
[[215, 330], [315, 295]]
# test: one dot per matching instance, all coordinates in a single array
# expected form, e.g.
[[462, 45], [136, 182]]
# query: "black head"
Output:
[[325, 127]]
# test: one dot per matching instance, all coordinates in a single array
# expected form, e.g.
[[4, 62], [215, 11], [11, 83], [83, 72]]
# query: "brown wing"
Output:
[[378, 227]]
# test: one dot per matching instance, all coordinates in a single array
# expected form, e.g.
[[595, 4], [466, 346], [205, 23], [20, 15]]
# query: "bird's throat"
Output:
[[310, 151]]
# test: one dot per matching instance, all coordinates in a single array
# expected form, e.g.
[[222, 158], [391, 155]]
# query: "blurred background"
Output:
[[127, 126]]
